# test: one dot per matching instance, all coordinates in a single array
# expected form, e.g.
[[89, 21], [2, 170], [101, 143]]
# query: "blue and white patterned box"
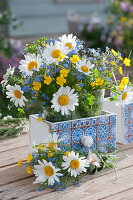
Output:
[[128, 123], [124, 113], [101, 128]]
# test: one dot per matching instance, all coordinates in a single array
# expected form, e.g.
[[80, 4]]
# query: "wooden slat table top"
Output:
[[15, 183]]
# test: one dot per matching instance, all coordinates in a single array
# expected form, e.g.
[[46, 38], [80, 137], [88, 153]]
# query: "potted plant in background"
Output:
[[68, 81]]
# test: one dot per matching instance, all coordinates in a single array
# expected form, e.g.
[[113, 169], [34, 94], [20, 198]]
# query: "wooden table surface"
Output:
[[15, 183]]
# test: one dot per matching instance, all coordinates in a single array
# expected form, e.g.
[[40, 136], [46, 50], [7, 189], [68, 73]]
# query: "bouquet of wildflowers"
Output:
[[64, 78], [55, 168]]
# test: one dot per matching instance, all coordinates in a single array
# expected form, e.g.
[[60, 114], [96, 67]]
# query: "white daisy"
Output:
[[31, 62], [69, 41], [93, 159], [64, 100], [55, 52], [10, 71], [51, 141], [74, 164], [46, 171], [84, 66], [127, 95], [16, 95]]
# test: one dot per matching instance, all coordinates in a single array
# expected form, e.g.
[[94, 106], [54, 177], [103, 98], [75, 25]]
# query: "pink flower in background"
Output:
[[109, 40], [124, 6], [0, 77], [117, 42], [131, 9], [90, 27], [4, 62]]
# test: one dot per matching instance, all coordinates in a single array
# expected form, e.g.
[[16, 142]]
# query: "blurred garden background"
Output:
[[99, 23]]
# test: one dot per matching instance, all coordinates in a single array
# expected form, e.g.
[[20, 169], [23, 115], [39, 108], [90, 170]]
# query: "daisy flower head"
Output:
[[126, 95], [31, 62], [45, 171], [55, 52], [84, 66], [64, 100], [75, 164], [69, 41], [16, 95], [10, 70], [51, 141]]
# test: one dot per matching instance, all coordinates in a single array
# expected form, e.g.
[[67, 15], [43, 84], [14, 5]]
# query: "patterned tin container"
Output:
[[128, 123], [101, 128], [124, 125]]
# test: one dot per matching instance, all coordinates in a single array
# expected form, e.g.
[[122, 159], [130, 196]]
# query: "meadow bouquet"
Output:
[[66, 79]]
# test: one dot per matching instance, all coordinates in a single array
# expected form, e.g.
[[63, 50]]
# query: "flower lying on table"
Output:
[[55, 168]]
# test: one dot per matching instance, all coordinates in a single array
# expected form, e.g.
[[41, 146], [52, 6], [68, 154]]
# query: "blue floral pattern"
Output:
[[128, 123], [102, 129]]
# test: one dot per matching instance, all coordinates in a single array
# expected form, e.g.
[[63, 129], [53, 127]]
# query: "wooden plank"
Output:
[[96, 188], [13, 174], [126, 194], [12, 156], [12, 143], [17, 177]]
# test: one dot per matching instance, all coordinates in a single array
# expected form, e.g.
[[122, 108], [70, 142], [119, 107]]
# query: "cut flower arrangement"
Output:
[[67, 80], [57, 169]]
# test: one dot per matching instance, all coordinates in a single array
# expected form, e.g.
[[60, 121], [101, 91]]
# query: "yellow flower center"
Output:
[[124, 96], [68, 45], [63, 100], [85, 69], [51, 145], [17, 94], [32, 64], [74, 164], [56, 53], [48, 171]]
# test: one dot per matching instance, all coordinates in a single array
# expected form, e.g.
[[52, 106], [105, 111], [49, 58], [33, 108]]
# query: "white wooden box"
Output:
[[101, 128]]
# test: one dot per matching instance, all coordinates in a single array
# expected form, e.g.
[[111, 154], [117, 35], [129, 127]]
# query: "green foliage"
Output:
[[6, 19], [93, 37], [11, 127], [33, 48]]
